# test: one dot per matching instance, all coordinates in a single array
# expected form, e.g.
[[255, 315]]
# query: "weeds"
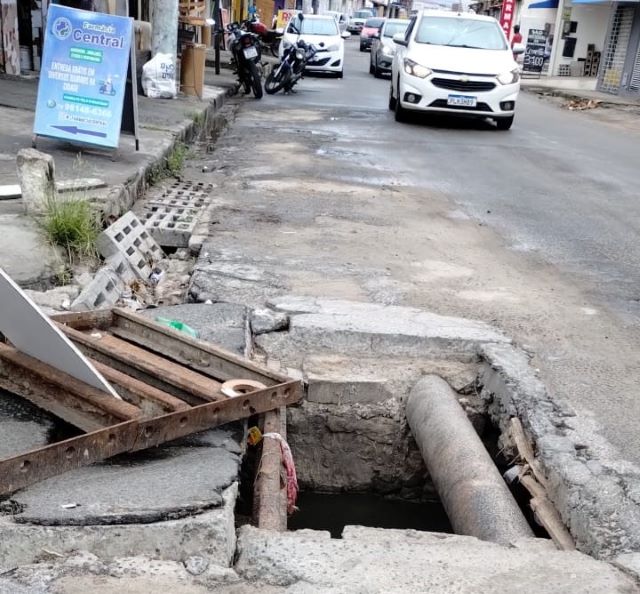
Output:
[[72, 225], [171, 165]]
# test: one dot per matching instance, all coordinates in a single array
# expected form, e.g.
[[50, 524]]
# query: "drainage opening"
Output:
[[334, 511]]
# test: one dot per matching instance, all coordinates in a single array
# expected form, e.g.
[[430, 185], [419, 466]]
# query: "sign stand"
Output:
[[87, 93]]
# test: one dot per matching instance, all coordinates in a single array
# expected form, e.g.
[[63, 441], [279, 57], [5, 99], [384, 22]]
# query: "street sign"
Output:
[[534, 51], [84, 74], [506, 16]]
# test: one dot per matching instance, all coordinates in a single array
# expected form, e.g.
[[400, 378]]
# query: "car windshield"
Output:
[[392, 28], [326, 26], [457, 32], [374, 23], [361, 14]]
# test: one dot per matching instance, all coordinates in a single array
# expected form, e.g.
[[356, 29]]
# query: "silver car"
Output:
[[383, 48]]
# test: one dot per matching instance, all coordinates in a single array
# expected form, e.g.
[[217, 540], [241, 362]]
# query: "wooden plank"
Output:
[[195, 354], [150, 400], [526, 450], [270, 488], [23, 470], [99, 319], [64, 396], [157, 371]]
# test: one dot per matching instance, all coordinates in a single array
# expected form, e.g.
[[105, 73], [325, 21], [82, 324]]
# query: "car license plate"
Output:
[[250, 52], [462, 100]]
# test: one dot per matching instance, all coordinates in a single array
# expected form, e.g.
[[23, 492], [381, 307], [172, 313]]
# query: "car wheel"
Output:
[[392, 99], [372, 69], [376, 71], [504, 123], [401, 114]]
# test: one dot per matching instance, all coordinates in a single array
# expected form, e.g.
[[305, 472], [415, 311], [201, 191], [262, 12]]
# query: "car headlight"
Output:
[[286, 44], [509, 78], [415, 69], [333, 48], [387, 50]]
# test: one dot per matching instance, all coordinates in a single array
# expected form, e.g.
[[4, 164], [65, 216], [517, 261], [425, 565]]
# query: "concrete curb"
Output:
[[576, 95], [121, 197], [595, 491]]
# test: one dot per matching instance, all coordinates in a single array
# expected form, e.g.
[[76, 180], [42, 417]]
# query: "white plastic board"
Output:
[[33, 333]]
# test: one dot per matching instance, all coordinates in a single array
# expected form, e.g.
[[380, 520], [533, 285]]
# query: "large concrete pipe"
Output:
[[472, 491]]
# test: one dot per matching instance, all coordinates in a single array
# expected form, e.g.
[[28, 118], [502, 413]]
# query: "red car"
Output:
[[370, 31]]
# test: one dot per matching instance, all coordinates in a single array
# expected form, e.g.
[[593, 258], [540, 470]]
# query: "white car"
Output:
[[317, 29], [457, 63]]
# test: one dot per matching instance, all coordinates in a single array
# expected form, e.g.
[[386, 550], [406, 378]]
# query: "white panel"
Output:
[[33, 333]]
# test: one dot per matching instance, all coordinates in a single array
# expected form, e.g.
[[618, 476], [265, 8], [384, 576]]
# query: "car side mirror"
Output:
[[345, 35], [518, 49], [301, 16], [399, 39]]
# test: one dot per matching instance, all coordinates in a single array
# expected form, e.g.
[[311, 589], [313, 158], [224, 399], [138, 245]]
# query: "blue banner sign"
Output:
[[83, 76]]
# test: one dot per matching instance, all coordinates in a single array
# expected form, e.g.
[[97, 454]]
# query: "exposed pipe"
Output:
[[474, 495]]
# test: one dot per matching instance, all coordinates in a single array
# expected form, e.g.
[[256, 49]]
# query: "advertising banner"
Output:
[[83, 77], [284, 16], [506, 16]]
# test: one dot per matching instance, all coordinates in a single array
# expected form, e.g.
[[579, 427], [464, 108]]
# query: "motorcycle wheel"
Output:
[[276, 80], [255, 79]]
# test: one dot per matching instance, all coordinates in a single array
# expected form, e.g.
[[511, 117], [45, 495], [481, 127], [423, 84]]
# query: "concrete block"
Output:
[[36, 173], [182, 194], [120, 265], [171, 226], [104, 291], [129, 237], [267, 320], [340, 390]]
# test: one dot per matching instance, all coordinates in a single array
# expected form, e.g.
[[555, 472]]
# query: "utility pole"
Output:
[[557, 33], [164, 23]]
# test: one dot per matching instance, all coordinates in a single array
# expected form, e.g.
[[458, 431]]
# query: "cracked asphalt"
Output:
[[534, 230]]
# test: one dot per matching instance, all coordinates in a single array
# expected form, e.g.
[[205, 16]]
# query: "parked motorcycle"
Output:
[[290, 70], [269, 38], [247, 55]]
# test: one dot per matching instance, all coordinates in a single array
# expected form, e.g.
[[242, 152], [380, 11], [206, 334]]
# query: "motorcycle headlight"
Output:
[[332, 48], [387, 50], [299, 55], [509, 78], [415, 69]]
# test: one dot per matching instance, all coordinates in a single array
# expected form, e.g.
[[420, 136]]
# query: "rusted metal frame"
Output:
[[72, 400], [25, 469], [152, 369], [270, 493], [190, 352], [151, 401], [86, 320]]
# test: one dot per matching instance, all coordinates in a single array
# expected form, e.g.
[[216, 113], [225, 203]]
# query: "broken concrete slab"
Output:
[[400, 561], [186, 477], [223, 324], [359, 328], [36, 171], [596, 491], [210, 534], [266, 320], [24, 253]]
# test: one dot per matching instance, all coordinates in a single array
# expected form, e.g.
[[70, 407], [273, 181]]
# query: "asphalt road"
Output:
[[533, 229]]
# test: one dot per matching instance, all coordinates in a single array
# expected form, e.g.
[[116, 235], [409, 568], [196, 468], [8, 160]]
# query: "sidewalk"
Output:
[[162, 123], [561, 87]]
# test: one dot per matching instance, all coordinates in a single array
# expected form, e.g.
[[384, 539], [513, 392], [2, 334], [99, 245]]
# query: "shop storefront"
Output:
[[620, 74]]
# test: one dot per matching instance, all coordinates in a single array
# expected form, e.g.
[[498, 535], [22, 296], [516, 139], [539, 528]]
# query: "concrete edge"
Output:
[[577, 95], [210, 535], [595, 491]]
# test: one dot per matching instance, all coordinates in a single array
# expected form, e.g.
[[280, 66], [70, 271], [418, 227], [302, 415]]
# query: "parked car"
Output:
[[341, 19], [456, 63], [370, 30], [317, 30], [383, 48], [358, 18]]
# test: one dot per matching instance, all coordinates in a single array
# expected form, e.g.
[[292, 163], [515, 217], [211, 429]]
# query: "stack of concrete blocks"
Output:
[[130, 254], [171, 216]]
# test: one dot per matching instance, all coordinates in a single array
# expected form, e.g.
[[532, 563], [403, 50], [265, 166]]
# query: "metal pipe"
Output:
[[474, 495]]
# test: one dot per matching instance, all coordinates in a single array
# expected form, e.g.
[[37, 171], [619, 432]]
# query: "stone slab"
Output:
[[368, 560], [222, 324], [181, 478]]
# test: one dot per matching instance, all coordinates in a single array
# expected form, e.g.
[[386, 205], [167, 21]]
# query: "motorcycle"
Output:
[[269, 38], [290, 70], [247, 55]]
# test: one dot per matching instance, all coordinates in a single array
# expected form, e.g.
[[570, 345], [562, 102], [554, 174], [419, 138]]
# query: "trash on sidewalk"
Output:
[[582, 104], [168, 385]]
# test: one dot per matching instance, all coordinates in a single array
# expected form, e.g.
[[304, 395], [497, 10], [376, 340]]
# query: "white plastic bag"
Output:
[[159, 77]]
